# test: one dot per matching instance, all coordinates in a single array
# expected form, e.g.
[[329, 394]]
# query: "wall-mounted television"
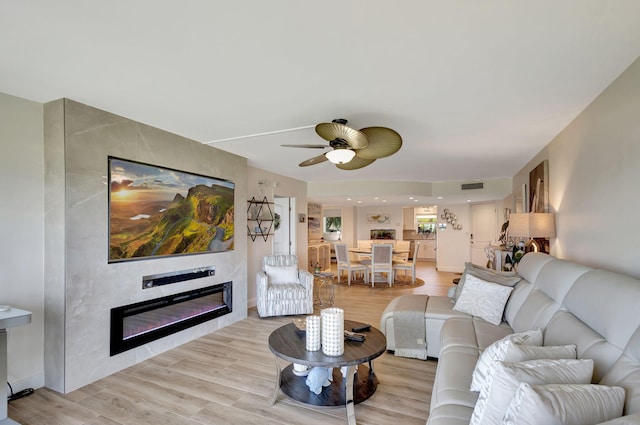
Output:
[[157, 211]]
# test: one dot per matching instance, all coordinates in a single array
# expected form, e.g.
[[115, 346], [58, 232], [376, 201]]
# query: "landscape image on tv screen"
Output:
[[156, 211]]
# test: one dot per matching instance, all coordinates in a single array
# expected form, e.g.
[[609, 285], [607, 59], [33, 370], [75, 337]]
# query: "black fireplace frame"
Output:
[[119, 344]]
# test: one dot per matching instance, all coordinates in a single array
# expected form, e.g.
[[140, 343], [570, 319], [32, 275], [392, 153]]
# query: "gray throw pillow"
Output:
[[510, 278]]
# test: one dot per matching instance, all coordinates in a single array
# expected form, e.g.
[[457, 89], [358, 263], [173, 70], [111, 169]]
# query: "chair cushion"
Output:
[[281, 274], [286, 291]]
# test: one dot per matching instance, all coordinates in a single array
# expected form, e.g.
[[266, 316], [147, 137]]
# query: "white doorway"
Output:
[[284, 236], [484, 231]]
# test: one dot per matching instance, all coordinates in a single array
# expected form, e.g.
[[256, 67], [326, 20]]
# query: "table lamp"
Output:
[[532, 226]]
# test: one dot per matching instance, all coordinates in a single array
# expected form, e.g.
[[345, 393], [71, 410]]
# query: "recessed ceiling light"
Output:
[[348, 199], [439, 197], [468, 200], [415, 200], [410, 197], [384, 200], [359, 202]]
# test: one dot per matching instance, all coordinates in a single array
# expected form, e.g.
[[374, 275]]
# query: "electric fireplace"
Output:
[[137, 324]]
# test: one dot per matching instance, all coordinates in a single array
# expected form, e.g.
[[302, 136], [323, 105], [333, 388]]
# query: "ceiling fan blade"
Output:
[[355, 163], [333, 130], [306, 146], [382, 142], [313, 161]]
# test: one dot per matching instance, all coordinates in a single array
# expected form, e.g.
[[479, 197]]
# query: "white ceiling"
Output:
[[475, 88]]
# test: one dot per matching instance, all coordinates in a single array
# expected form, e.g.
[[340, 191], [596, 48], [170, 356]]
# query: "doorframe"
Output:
[[472, 225], [289, 221]]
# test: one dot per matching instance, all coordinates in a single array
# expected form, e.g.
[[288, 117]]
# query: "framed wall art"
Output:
[[156, 211]]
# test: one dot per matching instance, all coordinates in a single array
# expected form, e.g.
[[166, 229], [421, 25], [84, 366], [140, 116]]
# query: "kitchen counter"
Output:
[[412, 235]]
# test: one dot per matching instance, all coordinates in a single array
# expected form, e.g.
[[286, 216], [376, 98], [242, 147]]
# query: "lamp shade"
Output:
[[532, 225], [340, 156]]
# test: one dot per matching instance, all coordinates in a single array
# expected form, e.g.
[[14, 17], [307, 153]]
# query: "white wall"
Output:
[[364, 227], [594, 173], [22, 234], [453, 245], [272, 184]]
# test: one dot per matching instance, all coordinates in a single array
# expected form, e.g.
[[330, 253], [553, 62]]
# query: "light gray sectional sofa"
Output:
[[596, 310]]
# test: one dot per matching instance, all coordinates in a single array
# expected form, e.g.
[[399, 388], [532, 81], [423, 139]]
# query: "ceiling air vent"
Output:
[[469, 186]]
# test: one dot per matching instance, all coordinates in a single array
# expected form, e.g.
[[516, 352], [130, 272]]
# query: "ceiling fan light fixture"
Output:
[[340, 156]]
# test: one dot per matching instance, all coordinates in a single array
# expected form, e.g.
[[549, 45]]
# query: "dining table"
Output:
[[366, 252]]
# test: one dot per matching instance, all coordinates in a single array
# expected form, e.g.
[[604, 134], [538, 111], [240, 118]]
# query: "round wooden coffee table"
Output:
[[288, 343]]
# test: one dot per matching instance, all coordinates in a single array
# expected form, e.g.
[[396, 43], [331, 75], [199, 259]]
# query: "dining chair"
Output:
[[381, 261], [408, 265], [402, 246], [352, 267]]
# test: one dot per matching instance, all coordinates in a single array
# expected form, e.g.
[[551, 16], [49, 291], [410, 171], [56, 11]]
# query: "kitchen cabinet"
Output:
[[427, 249], [408, 219]]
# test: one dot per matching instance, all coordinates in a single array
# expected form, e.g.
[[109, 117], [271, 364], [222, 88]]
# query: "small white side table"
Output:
[[324, 289], [8, 319]]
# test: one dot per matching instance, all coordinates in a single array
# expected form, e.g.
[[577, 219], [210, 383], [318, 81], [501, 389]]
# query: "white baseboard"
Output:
[[35, 382]]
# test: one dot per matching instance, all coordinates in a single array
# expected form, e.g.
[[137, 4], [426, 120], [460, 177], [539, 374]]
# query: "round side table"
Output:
[[323, 290]]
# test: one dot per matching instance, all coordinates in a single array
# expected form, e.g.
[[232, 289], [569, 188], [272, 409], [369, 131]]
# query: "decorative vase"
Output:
[[313, 341], [332, 331]]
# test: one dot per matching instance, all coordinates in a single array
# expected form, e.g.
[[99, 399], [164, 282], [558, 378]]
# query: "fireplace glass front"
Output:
[[137, 324]]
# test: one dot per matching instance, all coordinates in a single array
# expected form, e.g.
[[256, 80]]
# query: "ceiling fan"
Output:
[[352, 149]]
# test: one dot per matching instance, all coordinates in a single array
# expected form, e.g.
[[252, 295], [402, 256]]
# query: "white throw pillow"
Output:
[[497, 392], [520, 353], [497, 350], [282, 274], [483, 299], [495, 276], [564, 404]]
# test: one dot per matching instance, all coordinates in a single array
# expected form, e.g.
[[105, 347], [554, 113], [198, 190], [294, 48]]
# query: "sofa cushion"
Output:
[[471, 332], [564, 404], [483, 299], [453, 377], [500, 388], [617, 318], [497, 351], [565, 328], [450, 414], [625, 373]]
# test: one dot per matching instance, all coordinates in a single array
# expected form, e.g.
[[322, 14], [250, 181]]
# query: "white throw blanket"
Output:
[[409, 326]]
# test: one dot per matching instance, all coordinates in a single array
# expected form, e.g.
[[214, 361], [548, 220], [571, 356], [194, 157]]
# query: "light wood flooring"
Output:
[[228, 377]]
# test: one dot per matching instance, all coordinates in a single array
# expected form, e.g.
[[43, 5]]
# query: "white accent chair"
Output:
[[351, 267], [283, 289], [381, 261], [408, 265]]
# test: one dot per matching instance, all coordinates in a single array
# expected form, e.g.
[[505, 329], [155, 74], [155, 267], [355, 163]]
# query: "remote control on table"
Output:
[[362, 328], [352, 336]]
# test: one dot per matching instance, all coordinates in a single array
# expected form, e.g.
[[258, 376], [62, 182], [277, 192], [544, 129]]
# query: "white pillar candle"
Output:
[[313, 333], [332, 331]]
